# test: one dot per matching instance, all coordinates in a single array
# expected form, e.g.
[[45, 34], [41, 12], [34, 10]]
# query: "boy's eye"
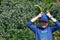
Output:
[[43, 21]]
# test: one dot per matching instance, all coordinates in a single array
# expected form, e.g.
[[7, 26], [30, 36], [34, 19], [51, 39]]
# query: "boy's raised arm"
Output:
[[30, 23]]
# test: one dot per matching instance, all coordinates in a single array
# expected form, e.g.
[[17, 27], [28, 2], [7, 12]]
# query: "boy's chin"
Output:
[[44, 26]]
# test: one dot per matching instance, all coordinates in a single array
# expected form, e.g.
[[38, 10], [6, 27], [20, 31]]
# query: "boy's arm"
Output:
[[57, 24], [30, 23], [51, 17], [35, 18]]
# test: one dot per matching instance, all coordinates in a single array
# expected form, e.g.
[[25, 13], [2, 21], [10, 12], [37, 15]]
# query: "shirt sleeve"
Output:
[[56, 26], [31, 26]]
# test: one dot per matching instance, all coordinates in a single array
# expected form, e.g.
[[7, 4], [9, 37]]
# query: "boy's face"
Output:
[[43, 24]]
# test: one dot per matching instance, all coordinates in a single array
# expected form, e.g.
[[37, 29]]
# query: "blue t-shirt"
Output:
[[43, 34]]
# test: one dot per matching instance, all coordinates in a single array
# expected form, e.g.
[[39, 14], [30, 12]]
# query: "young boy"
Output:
[[44, 32]]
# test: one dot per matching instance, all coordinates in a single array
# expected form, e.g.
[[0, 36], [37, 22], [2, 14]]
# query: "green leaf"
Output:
[[39, 7]]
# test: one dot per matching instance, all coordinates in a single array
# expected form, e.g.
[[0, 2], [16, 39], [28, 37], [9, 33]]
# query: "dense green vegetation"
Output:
[[15, 13]]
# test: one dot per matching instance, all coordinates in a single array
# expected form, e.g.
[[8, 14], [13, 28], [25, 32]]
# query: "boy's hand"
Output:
[[40, 14], [48, 14]]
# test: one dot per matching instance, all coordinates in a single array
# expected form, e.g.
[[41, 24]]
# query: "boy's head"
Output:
[[44, 21]]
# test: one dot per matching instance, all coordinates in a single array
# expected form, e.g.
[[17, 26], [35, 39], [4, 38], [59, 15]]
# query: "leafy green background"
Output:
[[15, 13]]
